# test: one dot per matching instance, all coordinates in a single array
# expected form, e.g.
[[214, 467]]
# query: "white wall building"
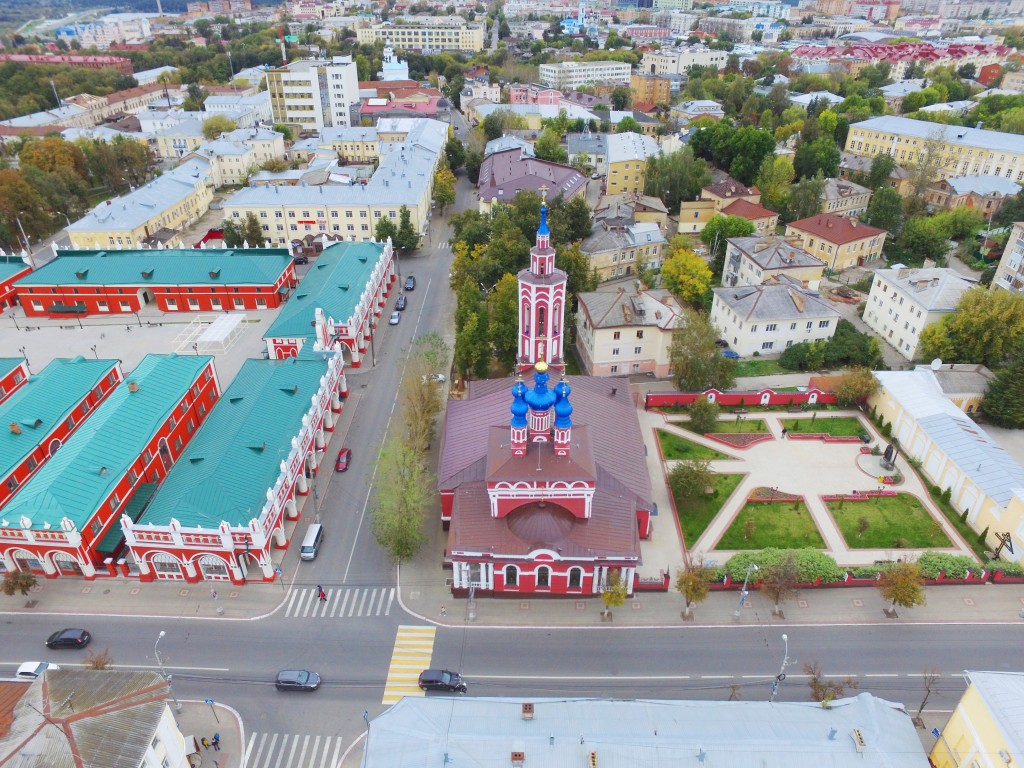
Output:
[[257, 103], [768, 319], [1010, 272], [621, 333], [676, 61], [902, 302], [314, 93], [566, 75]]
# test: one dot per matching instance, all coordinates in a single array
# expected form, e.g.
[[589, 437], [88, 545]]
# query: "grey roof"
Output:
[[904, 88], [591, 143], [805, 99], [503, 175], [482, 732], [962, 378], [572, 111], [630, 146], [1003, 694], [951, 134], [853, 162], [355, 133], [836, 189], [937, 289], [988, 465], [632, 236], [616, 309], [775, 253], [983, 185], [774, 302], [508, 141]]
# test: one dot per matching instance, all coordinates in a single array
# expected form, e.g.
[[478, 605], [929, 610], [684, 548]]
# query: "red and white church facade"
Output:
[[552, 500]]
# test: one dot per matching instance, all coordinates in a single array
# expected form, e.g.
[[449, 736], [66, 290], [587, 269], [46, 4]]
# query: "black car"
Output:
[[441, 680], [400, 304], [297, 680], [410, 283], [300, 259], [69, 638]]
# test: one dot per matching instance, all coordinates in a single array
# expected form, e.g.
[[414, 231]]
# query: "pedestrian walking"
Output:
[[205, 742], [444, 611], [321, 593], [784, 432], [216, 742]]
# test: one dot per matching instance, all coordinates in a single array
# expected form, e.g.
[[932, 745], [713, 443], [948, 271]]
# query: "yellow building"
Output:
[[155, 213], [839, 241], [650, 89], [983, 479], [963, 151], [456, 36], [987, 726], [627, 162], [693, 216], [355, 145]]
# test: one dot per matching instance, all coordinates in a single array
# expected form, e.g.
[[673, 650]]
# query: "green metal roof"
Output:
[[184, 266], [43, 402], [71, 483], [334, 283], [11, 266], [236, 455]]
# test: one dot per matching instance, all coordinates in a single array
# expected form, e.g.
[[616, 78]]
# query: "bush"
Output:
[[866, 571], [703, 415], [983, 536], [954, 566], [947, 494], [1008, 569], [811, 563]]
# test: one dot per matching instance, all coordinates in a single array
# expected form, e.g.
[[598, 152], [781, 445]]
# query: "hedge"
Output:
[[954, 566], [812, 564]]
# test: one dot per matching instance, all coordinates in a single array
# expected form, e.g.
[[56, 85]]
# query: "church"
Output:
[[543, 480]]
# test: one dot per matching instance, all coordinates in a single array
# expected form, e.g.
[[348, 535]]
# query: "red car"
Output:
[[344, 457]]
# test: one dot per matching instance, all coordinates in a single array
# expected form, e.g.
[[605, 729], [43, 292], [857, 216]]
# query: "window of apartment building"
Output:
[[362, 214], [767, 345], [263, 214], [261, 303], [615, 335], [637, 350], [753, 329], [810, 324], [640, 334], [103, 306], [792, 326], [615, 351], [824, 323], [614, 369], [125, 306], [215, 304], [348, 214], [770, 327]]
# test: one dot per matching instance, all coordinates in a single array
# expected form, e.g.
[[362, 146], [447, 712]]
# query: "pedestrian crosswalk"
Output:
[[284, 750], [344, 603], [414, 647]]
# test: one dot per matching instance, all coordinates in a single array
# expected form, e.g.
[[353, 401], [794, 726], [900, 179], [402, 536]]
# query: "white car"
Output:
[[30, 670], [438, 378], [396, 317]]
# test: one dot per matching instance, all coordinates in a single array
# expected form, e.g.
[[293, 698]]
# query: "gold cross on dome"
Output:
[[543, 193]]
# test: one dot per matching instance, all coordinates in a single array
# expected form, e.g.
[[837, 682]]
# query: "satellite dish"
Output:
[[936, 363]]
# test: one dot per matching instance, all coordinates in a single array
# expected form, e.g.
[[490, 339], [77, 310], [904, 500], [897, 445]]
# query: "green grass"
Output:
[[776, 524], [675, 447], [758, 367], [894, 522], [836, 426], [732, 426], [695, 515]]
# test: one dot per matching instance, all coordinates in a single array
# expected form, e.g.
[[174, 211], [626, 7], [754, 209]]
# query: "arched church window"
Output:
[[544, 577], [511, 576]]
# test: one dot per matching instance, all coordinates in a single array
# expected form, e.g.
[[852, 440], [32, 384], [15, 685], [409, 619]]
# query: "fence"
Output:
[[763, 397]]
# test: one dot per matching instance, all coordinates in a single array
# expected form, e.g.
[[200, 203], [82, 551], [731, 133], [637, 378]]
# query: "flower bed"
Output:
[[739, 439], [823, 437], [772, 494]]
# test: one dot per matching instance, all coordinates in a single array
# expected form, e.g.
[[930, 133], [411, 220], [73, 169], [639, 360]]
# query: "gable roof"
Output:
[[504, 174], [616, 309], [836, 229], [937, 289], [1003, 694], [919, 129], [729, 187], [774, 302], [748, 210], [774, 252]]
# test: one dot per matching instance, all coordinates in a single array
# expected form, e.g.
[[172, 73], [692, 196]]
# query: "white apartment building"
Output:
[[108, 30], [314, 93], [256, 103], [567, 75], [620, 333], [235, 155], [768, 319], [903, 301], [437, 35], [673, 5], [676, 61], [1010, 272]]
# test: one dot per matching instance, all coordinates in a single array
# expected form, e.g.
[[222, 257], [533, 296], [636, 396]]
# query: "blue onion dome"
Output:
[[540, 398], [543, 228], [563, 408], [519, 407]]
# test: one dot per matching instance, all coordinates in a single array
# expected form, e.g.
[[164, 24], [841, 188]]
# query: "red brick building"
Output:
[[14, 374], [122, 65], [12, 269]]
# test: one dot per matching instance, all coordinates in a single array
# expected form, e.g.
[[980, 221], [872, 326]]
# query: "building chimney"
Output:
[[133, 386], [16, 430], [518, 758], [527, 710]]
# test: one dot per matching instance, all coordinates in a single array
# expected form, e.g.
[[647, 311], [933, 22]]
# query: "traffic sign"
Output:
[[277, 570], [208, 701]]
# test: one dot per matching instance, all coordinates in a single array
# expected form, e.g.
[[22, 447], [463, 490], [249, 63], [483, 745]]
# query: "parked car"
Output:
[[442, 680], [730, 354], [722, 343], [297, 680], [437, 378], [395, 318], [595, 175], [69, 638], [30, 670], [300, 259], [410, 283], [400, 304], [342, 462]]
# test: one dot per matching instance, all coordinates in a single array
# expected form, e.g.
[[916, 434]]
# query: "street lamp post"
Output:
[[27, 363], [94, 352], [782, 670], [743, 592], [160, 663], [16, 326]]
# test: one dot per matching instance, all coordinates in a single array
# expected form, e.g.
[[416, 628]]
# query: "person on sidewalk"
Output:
[[216, 742], [205, 742], [321, 593]]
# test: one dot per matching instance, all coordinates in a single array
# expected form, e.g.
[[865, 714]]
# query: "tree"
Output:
[[621, 98], [692, 581], [703, 415], [929, 162], [882, 166], [856, 386], [403, 492], [474, 159], [52, 154], [779, 580], [18, 581], [774, 179], [549, 147], [194, 98], [824, 690], [455, 153], [421, 397], [749, 147], [444, 188], [503, 321], [805, 198], [284, 130], [690, 478], [628, 125], [252, 232], [615, 592], [676, 177], [385, 228], [98, 661], [885, 210], [569, 221], [232, 234], [901, 584], [927, 238], [684, 273], [715, 234], [820, 155], [217, 124], [1004, 402], [967, 71], [696, 360], [499, 121], [406, 237]]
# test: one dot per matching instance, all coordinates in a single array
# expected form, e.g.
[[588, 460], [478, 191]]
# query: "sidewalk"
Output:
[[203, 721]]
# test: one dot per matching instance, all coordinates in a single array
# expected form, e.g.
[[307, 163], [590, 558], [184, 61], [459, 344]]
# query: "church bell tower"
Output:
[[541, 302]]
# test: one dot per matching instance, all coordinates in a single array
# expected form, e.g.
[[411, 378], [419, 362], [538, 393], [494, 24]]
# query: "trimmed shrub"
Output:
[[812, 564], [1008, 569], [954, 566]]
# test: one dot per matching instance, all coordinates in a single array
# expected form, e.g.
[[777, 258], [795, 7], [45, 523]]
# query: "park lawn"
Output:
[[674, 447], [776, 524], [758, 367], [894, 522], [732, 426], [695, 515], [836, 426]]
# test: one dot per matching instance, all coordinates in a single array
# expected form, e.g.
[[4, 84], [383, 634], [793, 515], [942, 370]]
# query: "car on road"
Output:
[[595, 175], [395, 318], [436, 378], [30, 670], [297, 680], [400, 304], [69, 638], [730, 354], [410, 283], [300, 259], [342, 462], [442, 680]]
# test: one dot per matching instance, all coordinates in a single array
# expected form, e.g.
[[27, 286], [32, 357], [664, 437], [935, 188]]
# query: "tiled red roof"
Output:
[[836, 229], [748, 210], [731, 188], [898, 52]]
